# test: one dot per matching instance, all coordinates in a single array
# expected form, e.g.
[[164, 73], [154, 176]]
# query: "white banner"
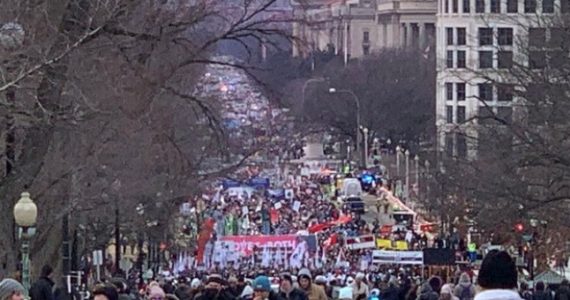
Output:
[[361, 242], [398, 257]]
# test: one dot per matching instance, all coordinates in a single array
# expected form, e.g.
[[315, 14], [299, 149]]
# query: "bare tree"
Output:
[[519, 170], [100, 92]]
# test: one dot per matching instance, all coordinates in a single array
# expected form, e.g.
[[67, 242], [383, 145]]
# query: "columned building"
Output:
[[359, 27]]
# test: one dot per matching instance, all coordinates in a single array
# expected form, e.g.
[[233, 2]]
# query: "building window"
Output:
[[460, 91], [537, 37], [505, 36], [485, 36], [449, 35], [557, 38], [485, 59], [530, 6], [479, 6], [505, 92], [485, 115], [461, 145], [564, 6], [505, 59], [548, 6], [455, 6], [461, 114], [449, 91], [446, 6], [461, 36], [365, 50], [466, 6], [449, 59], [537, 59], [513, 6], [558, 59], [485, 92], [505, 113], [366, 37], [449, 114], [461, 59], [495, 6]]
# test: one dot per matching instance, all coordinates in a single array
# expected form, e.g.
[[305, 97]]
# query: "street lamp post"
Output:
[[303, 91], [357, 103], [26, 214], [398, 152], [417, 166], [407, 188], [365, 150]]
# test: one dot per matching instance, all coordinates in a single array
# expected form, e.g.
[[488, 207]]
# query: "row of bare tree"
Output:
[[98, 110]]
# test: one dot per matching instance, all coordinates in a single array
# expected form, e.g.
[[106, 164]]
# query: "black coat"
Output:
[[42, 289], [295, 294]]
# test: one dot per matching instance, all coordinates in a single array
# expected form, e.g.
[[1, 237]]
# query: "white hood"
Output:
[[498, 295]]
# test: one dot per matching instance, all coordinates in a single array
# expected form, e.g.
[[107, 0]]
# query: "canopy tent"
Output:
[[549, 277]]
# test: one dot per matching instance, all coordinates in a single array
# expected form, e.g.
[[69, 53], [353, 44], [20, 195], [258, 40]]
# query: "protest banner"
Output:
[[398, 257]]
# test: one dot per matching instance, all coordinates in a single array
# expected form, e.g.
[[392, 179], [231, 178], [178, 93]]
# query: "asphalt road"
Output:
[[372, 213]]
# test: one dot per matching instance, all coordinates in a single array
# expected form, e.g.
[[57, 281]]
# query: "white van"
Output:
[[351, 188]]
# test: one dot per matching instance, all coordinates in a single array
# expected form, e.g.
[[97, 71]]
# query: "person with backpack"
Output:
[[464, 289]]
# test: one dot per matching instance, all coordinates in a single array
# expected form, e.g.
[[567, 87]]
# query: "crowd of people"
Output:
[[497, 279]]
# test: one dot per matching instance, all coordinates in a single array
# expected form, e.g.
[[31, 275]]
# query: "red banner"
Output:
[[204, 237]]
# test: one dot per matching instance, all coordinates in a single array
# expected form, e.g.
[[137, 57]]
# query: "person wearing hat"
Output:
[[215, 289], [498, 277], [288, 291], [313, 291], [156, 293], [262, 289], [359, 287], [10, 289]]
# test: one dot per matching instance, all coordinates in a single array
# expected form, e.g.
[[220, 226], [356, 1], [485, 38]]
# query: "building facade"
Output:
[[359, 27], [478, 42]]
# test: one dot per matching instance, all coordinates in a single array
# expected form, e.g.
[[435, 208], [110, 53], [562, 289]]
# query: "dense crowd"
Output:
[[497, 279]]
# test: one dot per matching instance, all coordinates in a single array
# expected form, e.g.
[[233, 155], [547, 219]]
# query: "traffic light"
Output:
[[519, 227]]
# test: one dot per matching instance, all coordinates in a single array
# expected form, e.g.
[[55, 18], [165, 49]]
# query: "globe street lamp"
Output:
[[26, 215]]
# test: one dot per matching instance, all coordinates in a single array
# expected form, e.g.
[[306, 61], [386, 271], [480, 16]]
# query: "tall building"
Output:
[[478, 42], [359, 27]]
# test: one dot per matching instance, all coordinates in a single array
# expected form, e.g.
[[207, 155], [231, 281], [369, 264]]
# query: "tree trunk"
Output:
[[37, 141]]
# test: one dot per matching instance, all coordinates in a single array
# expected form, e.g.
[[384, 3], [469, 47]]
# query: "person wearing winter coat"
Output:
[[313, 291], [563, 291], [541, 293], [11, 289], [427, 293], [262, 289], [288, 292], [359, 287], [43, 288], [465, 289]]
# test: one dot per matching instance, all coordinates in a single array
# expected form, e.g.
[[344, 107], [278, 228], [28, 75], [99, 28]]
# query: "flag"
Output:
[[331, 241], [340, 259], [204, 237], [266, 259], [319, 227], [360, 242]]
